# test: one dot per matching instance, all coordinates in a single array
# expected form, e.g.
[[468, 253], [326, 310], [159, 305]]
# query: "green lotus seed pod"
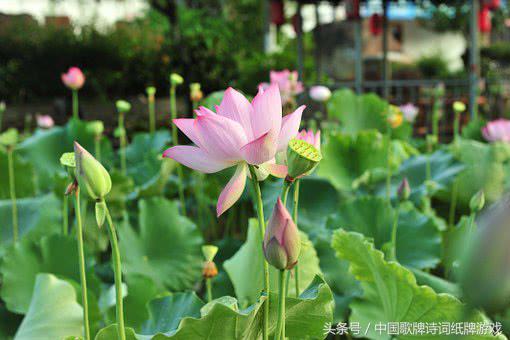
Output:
[[100, 213], [209, 252], [176, 79], [96, 127], [302, 158], [91, 174], [123, 106], [477, 202], [151, 91], [459, 106], [9, 137], [67, 159]]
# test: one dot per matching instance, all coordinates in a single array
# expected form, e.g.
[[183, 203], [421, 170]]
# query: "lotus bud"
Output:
[[209, 252], [100, 212], [176, 79], [151, 91], [9, 138], [302, 158], [404, 190], [3, 107], [123, 106], [91, 174], [282, 242], [485, 266], [96, 127], [477, 202], [44, 121], [196, 93], [74, 78], [459, 106], [320, 93]]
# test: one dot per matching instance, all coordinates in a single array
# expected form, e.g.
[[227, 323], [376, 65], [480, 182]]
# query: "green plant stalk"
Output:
[[12, 190], [456, 126], [295, 218], [209, 289], [1, 120], [388, 163], [173, 113], [435, 118], [152, 115], [453, 203], [262, 229], [393, 256], [75, 104], [280, 325], [427, 164], [122, 131], [118, 276], [81, 258], [97, 147], [285, 191], [65, 215]]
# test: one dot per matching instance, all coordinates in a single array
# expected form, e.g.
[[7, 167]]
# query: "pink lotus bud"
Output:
[[404, 190], [282, 242], [320, 93], [74, 78], [44, 121]]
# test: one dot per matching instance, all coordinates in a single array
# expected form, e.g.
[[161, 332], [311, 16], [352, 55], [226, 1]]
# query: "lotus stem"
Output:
[[262, 228], [295, 218], [208, 284], [456, 126], [122, 131], [285, 191], [388, 164], [81, 258], [280, 325], [173, 113], [453, 203], [152, 115], [12, 190], [118, 276], [97, 147], [65, 215], [75, 104], [393, 255]]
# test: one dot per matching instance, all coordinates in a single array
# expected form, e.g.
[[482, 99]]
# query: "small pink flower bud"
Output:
[[404, 190], [282, 242], [74, 78]]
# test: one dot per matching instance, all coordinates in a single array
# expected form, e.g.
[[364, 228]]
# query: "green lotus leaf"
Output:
[[391, 293], [24, 176], [166, 249]]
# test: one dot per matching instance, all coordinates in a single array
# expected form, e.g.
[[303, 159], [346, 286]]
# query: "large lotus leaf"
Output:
[[156, 185], [484, 169], [317, 200], [443, 169], [143, 155], [55, 254], [53, 312], [9, 323], [246, 271], [212, 100], [418, 237], [455, 241], [166, 249], [391, 293], [37, 216], [364, 112], [24, 176], [44, 148], [347, 157]]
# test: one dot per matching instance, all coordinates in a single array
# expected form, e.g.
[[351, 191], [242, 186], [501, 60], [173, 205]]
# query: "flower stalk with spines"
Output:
[[93, 177], [151, 102], [282, 245], [403, 193], [8, 140], [123, 107], [176, 80], [257, 197], [74, 80], [209, 270]]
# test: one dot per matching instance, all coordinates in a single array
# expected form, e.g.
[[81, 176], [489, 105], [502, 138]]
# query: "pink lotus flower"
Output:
[[320, 93], [410, 111], [497, 131], [44, 121], [74, 78], [238, 134], [287, 82]]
